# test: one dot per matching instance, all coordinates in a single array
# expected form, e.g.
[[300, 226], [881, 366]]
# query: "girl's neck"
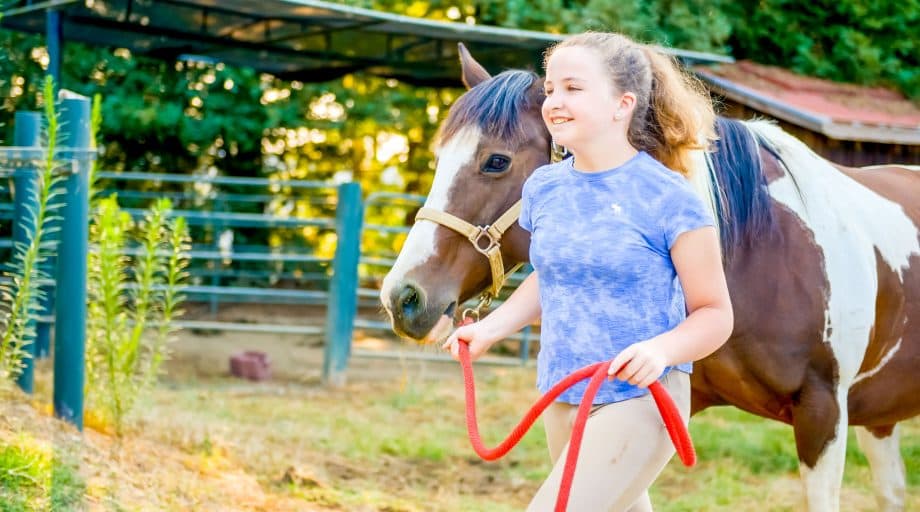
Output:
[[603, 159]]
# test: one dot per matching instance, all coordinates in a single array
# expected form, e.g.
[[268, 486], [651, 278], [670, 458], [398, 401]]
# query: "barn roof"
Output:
[[839, 111]]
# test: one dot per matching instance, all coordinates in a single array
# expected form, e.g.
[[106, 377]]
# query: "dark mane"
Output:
[[494, 105], [742, 198]]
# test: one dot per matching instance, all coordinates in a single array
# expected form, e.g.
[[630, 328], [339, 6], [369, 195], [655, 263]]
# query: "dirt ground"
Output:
[[376, 354]]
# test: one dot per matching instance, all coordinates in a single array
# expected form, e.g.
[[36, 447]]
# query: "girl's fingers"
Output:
[[619, 361], [644, 378]]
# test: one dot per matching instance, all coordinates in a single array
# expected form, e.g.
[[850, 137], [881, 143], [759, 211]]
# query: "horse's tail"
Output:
[[740, 186]]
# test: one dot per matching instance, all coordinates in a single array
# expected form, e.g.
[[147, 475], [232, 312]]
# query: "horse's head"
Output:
[[492, 140]]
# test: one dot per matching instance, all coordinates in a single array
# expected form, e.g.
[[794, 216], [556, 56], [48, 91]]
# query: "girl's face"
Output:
[[581, 105]]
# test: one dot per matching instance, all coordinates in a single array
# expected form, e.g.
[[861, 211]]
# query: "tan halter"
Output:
[[491, 234]]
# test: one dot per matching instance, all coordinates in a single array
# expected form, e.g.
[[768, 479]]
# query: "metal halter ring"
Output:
[[483, 232]]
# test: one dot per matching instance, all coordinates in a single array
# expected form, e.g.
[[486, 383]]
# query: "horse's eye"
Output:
[[496, 164]]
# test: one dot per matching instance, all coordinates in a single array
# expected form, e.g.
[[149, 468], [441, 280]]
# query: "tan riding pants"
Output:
[[624, 448]]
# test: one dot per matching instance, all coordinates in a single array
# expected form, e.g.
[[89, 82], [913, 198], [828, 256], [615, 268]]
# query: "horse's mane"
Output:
[[738, 185], [495, 105]]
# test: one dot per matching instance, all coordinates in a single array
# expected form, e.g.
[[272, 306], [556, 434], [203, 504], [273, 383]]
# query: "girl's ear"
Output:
[[626, 105], [627, 102]]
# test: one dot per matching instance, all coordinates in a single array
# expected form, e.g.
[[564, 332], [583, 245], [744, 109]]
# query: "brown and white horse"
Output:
[[823, 266]]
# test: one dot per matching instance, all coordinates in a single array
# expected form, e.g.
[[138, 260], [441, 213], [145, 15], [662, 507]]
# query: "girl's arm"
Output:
[[698, 261], [520, 309]]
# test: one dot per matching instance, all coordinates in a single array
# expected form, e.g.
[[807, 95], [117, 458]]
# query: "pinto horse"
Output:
[[822, 261]]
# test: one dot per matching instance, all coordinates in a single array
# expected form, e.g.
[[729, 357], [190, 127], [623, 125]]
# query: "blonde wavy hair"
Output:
[[673, 114]]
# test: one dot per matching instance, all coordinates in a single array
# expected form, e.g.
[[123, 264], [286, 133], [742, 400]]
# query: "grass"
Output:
[[33, 477], [392, 443], [359, 443]]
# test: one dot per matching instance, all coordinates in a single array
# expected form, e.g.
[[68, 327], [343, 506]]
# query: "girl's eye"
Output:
[[496, 164]]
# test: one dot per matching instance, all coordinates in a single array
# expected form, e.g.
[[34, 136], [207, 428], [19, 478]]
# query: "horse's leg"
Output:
[[881, 446], [820, 427]]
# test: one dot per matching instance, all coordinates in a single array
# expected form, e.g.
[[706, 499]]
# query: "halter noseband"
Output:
[[490, 235]]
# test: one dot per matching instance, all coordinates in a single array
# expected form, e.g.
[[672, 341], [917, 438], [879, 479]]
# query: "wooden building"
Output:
[[848, 124]]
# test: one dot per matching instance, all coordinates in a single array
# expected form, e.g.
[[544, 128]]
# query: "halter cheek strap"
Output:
[[486, 239]]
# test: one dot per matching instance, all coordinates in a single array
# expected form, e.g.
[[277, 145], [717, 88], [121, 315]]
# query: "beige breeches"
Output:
[[625, 447]]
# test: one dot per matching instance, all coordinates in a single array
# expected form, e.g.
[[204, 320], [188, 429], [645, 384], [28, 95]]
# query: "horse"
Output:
[[822, 263]]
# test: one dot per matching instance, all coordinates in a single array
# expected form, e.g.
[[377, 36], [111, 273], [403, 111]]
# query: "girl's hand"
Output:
[[475, 334], [640, 363]]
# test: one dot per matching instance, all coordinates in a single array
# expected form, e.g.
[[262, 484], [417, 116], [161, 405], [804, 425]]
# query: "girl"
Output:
[[627, 265]]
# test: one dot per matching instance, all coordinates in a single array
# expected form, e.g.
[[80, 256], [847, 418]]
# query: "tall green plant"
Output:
[[133, 302], [21, 294]]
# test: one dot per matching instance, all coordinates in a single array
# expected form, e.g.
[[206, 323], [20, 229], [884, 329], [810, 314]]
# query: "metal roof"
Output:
[[306, 40]]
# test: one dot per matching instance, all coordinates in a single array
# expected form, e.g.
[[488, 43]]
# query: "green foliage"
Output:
[[22, 293], [866, 42], [132, 303], [33, 477], [699, 25], [212, 119]]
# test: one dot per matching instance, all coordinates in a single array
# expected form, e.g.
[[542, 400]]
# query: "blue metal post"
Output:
[[25, 200], [70, 320], [54, 40], [343, 288]]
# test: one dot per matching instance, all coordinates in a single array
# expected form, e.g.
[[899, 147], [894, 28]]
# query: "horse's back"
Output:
[[898, 183]]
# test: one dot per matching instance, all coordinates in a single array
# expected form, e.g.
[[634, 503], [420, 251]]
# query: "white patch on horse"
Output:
[[881, 364], [822, 482], [849, 222], [420, 244], [887, 467]]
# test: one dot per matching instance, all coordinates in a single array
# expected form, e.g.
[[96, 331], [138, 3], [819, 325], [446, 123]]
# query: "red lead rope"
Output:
[[598, 372]]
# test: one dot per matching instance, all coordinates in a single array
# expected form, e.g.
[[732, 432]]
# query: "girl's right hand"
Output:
[[477, 337]]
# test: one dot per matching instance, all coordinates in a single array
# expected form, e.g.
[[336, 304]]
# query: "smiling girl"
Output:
[[627, 265]]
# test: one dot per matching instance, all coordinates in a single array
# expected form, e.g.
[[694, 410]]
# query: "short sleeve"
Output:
[[527, 206], [683, 211]]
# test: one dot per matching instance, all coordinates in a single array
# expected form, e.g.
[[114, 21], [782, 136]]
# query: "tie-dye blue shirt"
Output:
[[601, 246]]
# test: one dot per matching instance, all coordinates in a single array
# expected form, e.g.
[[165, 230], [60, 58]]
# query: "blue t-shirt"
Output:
[[601, 245]]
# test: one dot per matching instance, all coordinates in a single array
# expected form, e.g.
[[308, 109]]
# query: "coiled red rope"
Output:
[[598, 372]]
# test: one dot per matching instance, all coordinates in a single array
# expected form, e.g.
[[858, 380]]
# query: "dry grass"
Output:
[[393, 439]]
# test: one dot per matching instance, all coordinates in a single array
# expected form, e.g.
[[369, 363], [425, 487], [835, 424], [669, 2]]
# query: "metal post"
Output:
[[70, 320], [343, 288], [25, 204], [54, 40]]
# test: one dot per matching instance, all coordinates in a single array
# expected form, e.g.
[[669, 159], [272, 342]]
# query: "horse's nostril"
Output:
[[408, 300]]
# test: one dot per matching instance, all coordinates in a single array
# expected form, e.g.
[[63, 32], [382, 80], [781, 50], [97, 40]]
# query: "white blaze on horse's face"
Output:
[[420, 244]]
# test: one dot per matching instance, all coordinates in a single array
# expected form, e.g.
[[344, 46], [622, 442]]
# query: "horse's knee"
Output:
[[881, 446], [820, 427], [817, 418]]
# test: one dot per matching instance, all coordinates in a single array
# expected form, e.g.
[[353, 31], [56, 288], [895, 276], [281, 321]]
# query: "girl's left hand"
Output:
[[640, 363]]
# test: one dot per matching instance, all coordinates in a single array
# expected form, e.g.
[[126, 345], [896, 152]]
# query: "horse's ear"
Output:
[[536, 91], [472, 72]]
